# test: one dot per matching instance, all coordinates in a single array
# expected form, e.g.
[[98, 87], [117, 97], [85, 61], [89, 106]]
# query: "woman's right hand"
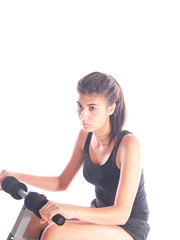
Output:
[[3, 175]]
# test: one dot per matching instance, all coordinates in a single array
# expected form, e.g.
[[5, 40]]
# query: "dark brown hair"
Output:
[[101, 83]]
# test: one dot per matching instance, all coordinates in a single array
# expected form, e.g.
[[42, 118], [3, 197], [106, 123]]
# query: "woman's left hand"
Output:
[[50, 209]]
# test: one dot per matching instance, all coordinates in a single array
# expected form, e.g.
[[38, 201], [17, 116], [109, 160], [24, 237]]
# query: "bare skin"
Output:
[[94, 115], [34, 228], [84, 231]]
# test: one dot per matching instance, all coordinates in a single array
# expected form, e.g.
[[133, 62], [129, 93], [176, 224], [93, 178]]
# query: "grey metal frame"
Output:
[[20, 225]]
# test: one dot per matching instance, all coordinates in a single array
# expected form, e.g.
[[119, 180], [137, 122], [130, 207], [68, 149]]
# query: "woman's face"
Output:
[[93, 112]]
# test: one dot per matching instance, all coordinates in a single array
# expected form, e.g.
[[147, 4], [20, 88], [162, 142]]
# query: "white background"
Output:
[[45, 48]]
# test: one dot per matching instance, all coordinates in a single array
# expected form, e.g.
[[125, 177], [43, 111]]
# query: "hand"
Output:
[[3, 174], [50, 209]]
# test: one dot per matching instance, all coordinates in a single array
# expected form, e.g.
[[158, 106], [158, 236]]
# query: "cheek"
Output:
[[79, 113], [100, 118]]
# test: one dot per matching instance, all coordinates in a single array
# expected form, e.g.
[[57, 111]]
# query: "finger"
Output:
[[2, 171], [42, 221], [45, 210], [49, 210], [2, 175]]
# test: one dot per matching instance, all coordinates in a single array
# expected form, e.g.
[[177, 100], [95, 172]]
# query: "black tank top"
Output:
[[106, 177]]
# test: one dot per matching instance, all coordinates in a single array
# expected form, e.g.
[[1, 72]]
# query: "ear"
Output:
[[112, 108]]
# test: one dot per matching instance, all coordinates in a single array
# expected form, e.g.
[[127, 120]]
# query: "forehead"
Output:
[[91, 99]]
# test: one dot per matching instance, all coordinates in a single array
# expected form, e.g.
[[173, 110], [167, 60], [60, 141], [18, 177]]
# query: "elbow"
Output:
[[122, 218], [61, 188], [61, 185]]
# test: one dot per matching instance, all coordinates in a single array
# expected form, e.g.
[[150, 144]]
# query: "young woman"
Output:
[[111, 161]]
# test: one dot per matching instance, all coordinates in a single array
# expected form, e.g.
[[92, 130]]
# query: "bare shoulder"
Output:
[[129, 150], [130, 141], [81, 138]]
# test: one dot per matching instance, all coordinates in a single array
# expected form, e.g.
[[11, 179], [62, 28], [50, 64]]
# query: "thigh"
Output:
[[76, 230], [34, 228]]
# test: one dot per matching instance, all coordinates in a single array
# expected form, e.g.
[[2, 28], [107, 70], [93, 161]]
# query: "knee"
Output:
[[47, 233], [51, 232]]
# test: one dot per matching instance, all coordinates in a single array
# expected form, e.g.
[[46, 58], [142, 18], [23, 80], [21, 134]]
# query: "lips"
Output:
[[85, 124]]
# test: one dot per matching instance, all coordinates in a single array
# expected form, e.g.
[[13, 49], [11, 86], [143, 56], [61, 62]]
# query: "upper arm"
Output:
[[75, 162], [130, 161]]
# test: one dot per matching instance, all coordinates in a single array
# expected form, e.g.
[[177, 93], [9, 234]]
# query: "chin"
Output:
[[88, 129]]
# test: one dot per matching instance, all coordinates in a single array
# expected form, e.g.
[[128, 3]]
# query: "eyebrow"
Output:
[[90, 104]]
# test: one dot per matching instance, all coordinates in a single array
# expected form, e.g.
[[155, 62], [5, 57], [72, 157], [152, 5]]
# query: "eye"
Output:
[[92, 108], [79, 106]]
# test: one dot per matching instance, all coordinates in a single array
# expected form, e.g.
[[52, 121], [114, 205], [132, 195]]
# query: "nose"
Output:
[[84, 115]]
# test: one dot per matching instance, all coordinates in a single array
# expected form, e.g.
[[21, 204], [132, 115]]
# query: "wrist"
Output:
[[78, 212]]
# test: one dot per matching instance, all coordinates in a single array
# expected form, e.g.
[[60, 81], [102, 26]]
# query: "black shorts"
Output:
[[138, 229]]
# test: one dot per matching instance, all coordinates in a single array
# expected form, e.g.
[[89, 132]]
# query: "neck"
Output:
[[101, 136]]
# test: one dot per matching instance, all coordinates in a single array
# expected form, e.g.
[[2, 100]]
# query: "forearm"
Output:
[[106, 215], [42, 182], [112, 215]]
